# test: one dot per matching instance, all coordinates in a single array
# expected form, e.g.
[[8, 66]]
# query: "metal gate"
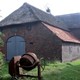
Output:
[[15, 46]]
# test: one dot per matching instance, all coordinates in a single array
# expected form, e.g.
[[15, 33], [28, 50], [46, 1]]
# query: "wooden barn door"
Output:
[[15, 46]]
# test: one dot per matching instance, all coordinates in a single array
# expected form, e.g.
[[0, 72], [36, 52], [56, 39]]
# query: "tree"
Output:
[[1, 41]]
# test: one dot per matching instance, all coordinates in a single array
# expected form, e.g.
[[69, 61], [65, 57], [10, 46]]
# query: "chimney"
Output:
[[48, 10]]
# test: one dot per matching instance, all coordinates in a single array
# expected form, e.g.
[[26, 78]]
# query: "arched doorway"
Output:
[[15, 46]]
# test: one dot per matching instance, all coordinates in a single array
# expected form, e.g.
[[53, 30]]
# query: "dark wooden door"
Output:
[[15, 46]]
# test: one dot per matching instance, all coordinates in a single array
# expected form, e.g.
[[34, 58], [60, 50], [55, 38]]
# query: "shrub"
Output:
[[1, 63]]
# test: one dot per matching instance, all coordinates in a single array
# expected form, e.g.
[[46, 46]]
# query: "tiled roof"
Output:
[[27, 13], [71, 20], [73, 23], [63, 35]]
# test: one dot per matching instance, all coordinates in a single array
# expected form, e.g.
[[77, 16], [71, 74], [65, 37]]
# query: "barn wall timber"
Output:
[[70, 51], [39, 39]]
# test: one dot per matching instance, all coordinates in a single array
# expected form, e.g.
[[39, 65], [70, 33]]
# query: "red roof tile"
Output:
[[63, 35]]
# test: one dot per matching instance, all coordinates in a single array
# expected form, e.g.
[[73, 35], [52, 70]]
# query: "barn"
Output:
[[29, 29]]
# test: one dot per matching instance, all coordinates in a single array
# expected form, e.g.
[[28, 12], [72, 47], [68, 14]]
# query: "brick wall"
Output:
[[39, 39]]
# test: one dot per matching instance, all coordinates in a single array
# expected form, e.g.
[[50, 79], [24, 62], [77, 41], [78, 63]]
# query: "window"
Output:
[[14, 30], [28, 27]]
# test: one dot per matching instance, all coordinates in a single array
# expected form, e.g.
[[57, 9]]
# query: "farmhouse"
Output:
[[29, 29]]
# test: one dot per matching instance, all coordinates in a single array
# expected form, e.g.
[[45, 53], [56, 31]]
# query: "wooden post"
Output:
[[39, 71]]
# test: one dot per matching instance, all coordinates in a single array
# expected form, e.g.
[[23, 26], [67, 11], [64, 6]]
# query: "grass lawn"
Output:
[[53, 71]]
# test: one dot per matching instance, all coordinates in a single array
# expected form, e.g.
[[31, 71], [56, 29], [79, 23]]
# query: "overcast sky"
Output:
[[57, 7]]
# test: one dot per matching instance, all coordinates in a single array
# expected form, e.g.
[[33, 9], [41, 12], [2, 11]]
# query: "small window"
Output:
[[14, 30], [28, 27], [31, 43]]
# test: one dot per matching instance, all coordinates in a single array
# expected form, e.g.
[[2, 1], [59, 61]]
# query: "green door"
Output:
[[15, 46]]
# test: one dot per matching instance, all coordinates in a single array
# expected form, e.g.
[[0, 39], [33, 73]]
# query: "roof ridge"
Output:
[[28, 13], [30, 7]]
